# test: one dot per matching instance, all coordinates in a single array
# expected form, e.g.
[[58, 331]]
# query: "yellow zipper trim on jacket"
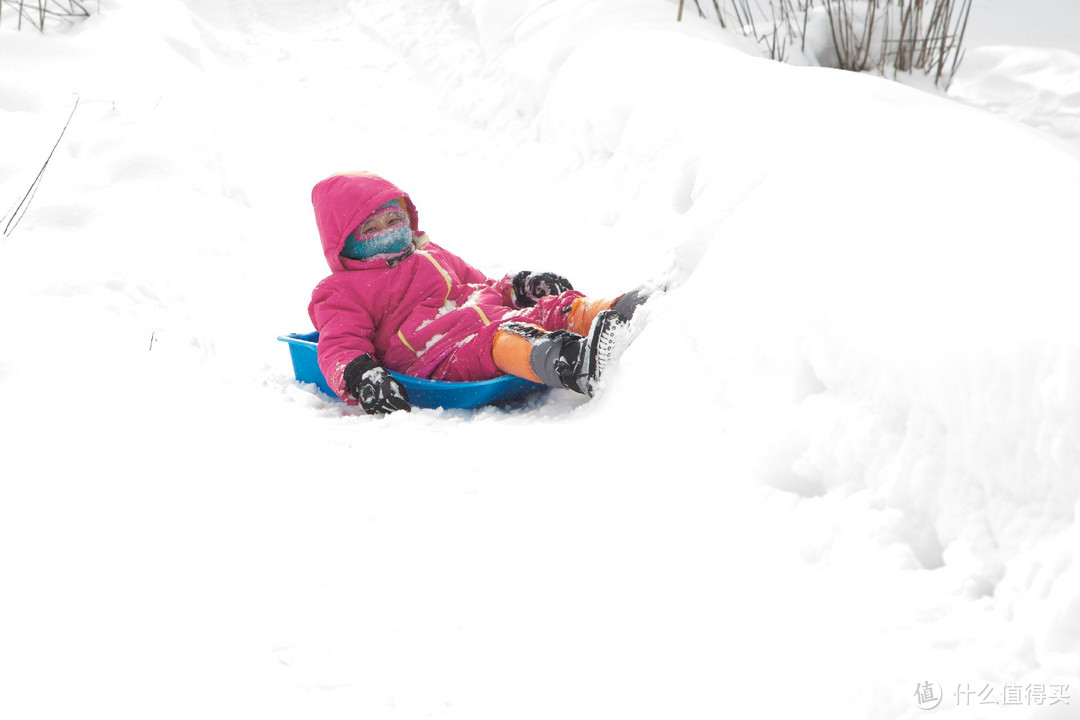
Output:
[[449, 286], [446, 275], [481, 314], [401, 336]]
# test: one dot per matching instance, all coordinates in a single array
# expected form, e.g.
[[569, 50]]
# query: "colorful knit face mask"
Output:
[[390, 236]]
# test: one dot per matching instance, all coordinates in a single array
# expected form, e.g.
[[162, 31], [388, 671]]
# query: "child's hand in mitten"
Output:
[[376, 389], [530, 287]]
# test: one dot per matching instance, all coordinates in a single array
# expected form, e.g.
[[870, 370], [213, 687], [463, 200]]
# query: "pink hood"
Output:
[[343, 201]]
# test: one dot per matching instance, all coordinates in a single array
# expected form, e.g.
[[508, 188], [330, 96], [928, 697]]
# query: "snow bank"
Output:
[[930, 268], [1039, 87], [872, 286]]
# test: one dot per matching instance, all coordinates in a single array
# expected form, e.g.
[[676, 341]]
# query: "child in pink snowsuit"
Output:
[[395, 300]]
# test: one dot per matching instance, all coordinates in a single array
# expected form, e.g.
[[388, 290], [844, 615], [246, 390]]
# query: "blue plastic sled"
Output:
[[422, 393]]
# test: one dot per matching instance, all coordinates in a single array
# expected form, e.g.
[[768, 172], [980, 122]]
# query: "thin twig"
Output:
[[719, 13], [36, 16], [24, 204], [958, 56]]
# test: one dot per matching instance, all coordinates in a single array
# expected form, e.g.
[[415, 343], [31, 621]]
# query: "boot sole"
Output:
[[605, 343]]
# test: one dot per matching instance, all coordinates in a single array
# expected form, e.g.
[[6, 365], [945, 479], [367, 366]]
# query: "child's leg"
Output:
[[470, 360], [570, 310], [514, 346], [511, 351], [560, 358], [583, 311], [506, 347], [544, 333], [579, 311]]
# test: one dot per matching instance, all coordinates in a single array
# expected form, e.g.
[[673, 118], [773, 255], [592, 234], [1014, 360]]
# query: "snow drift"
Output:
[[841, 453]]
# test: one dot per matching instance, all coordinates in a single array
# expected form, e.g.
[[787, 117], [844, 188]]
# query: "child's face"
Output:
[[385, 232], [382, 222]]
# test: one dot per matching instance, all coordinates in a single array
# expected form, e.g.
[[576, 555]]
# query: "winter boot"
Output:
[[560, 358], [626, 305], [584, 310], [599, 349]]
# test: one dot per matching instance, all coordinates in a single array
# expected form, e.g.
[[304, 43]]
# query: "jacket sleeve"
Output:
[[506, 290], [345, 330], [472, 276]]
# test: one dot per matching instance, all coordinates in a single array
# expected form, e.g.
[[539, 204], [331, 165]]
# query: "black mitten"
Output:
[[376, 389], [530, 287]]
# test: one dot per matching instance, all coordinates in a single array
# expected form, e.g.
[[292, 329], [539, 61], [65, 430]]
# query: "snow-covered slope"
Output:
[[839, 461]]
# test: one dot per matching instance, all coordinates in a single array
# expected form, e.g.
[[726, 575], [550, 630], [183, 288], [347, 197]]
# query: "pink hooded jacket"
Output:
[[413, 314]]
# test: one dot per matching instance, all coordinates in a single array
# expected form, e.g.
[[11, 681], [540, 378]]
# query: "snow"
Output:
[[839, 460]]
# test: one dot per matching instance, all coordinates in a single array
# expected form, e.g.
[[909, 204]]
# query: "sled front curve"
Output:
[[422, 393]]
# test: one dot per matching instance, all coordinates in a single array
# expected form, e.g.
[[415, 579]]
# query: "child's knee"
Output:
[[551, 312]]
